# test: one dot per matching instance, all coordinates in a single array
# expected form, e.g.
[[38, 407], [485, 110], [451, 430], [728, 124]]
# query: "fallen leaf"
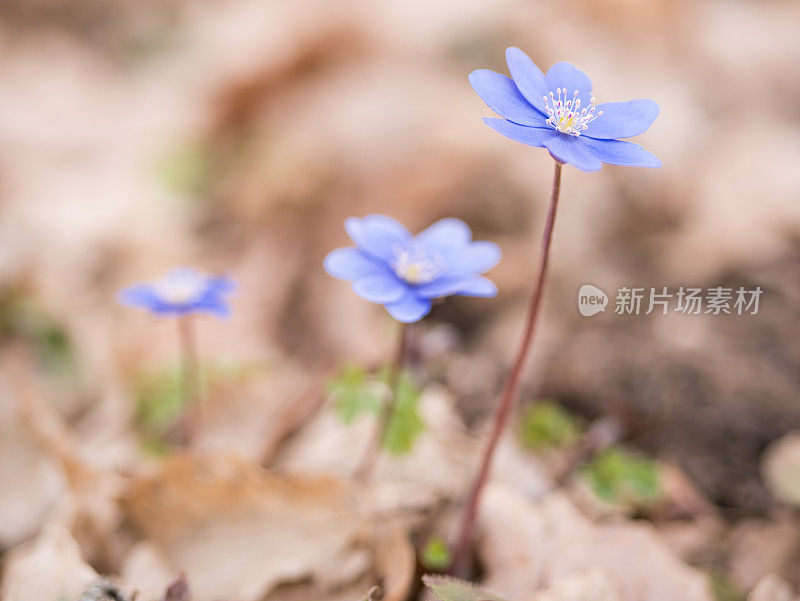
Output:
[[453, 589], [526, 545], [394, 559], [771, 588], [440, 464], [49, 569], [239, 531], [592, 585], [31, 477], [758, 547]]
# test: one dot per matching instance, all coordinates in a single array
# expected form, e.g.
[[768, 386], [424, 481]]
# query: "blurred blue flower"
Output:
[[405, 273], [557, 112], [180, 292]]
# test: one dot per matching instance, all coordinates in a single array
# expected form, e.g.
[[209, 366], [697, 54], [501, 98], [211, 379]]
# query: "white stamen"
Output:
[[415, 266], [181, 286], [566, 115]]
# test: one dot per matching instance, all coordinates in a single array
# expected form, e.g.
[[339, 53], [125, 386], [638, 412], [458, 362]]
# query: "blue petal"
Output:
[[145, 296], [409, 308], [211, 301], [532, 136], [475, 258], [572, 150], [444, 235], [222, 284], [377, 235], [470, 285], [502, 96], [213, 305], [380, 288], [349, 264], [568, 76], [139, 295], [478, 286], [622, 119], [528, 78], [617, 152], [444, 286]]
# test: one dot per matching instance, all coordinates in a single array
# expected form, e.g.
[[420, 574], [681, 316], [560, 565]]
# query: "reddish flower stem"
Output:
[[385, 417], [191, 389], [462, 545]]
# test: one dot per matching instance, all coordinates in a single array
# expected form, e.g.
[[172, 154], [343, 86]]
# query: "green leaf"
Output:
[[546, 425], [452, 589], [405, 424], [436, 555], [353, 394], [619, 476]]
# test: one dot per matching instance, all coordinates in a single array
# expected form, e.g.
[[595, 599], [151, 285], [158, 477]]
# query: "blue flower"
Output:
[[557, 112], [180, 292], [405, 273]]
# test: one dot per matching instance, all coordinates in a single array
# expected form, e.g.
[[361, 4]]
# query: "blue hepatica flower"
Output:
[[180, 292], [558, 112], [405, 273]]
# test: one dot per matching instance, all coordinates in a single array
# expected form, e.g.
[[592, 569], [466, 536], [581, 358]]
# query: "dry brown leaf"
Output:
[[758, 548], [88, 505], [394, 559], [592, 585], [239, 531], [31, 478], [527, 545], [50, 568], [145, 566], [440, 465], [771, 588]]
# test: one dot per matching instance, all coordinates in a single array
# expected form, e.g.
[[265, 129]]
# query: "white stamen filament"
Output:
[[181, 287], [416, 266], [566, 114]]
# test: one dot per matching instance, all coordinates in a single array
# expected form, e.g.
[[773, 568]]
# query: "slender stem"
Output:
[[460, 551], [387, 410], [190, 372]]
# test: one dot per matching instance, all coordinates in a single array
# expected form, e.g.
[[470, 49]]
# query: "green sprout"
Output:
[[436, 555], [545, 425], [354, 394], [620, 476]]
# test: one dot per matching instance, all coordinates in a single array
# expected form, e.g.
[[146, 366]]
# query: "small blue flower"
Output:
[[180, 292], [557, 112], [405, 273]]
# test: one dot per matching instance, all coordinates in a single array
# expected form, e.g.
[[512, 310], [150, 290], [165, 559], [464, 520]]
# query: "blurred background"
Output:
[[235, 136]]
